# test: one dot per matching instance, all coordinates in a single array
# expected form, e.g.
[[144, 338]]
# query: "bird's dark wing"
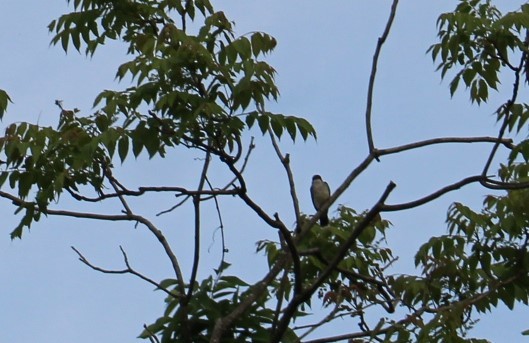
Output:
[[312, 197]]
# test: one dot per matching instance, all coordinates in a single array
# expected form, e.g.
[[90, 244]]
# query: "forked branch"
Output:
[[128, 270]]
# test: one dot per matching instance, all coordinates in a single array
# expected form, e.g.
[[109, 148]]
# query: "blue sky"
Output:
[[323, 60]]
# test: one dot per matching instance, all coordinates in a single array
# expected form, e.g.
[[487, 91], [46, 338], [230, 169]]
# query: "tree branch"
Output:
[[507, 108], [123, 217], [372, 76], [128, 270], [151, 189], [434, 195], [285, 160], [223, 241], [443, 140], [196, 205]]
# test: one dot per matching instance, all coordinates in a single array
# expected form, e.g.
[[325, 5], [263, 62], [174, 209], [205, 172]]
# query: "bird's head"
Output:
[[316, 177]]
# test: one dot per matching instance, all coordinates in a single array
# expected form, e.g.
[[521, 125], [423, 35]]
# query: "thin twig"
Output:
[[285, 161], [128, 270], [280, 296], [123, 217], [152, 337], [327, 319], [223, 240], [174, 206]]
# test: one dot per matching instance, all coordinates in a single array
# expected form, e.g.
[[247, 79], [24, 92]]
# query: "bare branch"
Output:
[[372, 76], [434, 195], [507, 142], [128, 270], [493, 184], [180, 203], [123, 217], [115, 184], [196, 205], [285, 160], [151, 189], [285, 236], [223, 241], [167, 248]]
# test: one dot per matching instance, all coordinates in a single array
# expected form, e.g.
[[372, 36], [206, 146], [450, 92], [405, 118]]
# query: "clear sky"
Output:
[[323, 60]]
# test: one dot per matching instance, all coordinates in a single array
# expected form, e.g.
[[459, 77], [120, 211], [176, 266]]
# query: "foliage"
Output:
[[196, 85]]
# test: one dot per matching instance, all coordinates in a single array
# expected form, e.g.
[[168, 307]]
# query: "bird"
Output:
[[320, 193]]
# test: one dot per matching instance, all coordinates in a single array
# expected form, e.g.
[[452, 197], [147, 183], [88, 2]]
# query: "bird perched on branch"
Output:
[[320, 193]]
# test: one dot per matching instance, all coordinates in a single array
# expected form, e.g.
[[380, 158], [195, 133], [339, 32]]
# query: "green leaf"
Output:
[[305, 128], [257, 43], [243, 47], [290, 123], [277, 123], [65, 36], [263, 121], [250, 118], [4, 100], [123, 147]]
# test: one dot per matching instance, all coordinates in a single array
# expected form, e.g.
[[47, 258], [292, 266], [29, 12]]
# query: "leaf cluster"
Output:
[[197, 85], [478, 41], [42, 162]]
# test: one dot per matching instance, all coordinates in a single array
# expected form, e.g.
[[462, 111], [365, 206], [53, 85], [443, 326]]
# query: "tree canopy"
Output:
[[197, 85]]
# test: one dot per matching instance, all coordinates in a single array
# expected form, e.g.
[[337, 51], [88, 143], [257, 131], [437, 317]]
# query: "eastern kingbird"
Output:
[[320, 193]]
